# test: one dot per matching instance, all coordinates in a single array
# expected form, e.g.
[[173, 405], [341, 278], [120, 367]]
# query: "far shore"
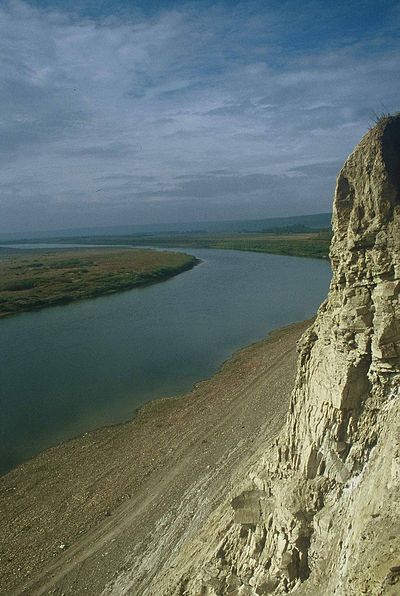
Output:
[[38, 279], [92, 500], [293, 241]]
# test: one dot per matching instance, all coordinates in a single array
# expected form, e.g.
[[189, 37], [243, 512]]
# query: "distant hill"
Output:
[[315, 221]]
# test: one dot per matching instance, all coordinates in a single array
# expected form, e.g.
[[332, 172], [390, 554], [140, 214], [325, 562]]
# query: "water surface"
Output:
[[68, 369]]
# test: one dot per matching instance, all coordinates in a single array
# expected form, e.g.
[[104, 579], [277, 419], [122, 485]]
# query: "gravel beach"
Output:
[[97, 514]]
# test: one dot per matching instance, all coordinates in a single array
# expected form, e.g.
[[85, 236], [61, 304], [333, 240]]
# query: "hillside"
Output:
[[318, 513]]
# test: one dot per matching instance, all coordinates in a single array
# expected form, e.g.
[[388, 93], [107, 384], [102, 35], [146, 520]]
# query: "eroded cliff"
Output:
[[318, 512]]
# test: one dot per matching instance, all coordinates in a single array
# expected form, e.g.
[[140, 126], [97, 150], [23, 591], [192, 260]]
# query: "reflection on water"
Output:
[[69, 369]]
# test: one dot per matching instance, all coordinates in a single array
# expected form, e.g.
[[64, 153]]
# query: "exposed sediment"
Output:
[[319, 513], [110, 508]]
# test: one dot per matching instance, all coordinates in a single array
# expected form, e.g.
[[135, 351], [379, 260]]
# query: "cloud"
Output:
[[108, 150], [198, 111], [318, 170]]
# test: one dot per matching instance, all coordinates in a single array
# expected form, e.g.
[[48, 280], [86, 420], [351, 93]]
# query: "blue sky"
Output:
[[139, 112]]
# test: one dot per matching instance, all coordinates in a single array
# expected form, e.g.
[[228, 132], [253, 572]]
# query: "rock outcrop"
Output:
[[318, 513]]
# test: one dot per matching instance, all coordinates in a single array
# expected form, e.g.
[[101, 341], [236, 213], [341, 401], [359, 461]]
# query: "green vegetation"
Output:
[[313, 244], [50, 278]]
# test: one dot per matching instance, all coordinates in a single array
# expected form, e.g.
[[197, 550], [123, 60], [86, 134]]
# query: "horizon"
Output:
[[180, 112], [154, 227]]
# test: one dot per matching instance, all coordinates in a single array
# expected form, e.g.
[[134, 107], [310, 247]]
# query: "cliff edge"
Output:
[[318, 512]]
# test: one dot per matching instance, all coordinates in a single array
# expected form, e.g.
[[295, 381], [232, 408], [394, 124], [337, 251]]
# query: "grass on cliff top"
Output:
[[44, 279], [314, 244]]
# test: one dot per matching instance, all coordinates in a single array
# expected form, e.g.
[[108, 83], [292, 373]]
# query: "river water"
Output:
[[69, 369]]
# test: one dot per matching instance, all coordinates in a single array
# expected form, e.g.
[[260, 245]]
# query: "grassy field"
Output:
[[310, 244], [45, 278], [313, 244]]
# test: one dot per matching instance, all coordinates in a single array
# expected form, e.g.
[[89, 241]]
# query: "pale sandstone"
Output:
[[318, 513]]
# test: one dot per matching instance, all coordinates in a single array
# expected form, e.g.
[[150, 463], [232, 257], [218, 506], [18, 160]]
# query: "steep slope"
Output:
[[318, 512]]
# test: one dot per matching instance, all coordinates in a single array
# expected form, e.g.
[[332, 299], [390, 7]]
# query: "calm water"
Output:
[[72, 368]]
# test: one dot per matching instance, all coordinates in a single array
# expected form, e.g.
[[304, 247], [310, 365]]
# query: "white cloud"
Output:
[[140, 102]]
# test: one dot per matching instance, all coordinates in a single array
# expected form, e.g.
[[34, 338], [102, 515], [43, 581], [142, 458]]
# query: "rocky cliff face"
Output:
[[318, 513]]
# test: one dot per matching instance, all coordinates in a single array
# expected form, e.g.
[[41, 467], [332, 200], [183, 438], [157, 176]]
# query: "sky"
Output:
[[118, 113]]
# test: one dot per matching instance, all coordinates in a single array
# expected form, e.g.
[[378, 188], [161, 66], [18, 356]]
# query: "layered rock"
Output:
[[318, 512]]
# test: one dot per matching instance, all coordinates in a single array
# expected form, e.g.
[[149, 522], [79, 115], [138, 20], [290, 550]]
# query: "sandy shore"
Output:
[[99, 513]]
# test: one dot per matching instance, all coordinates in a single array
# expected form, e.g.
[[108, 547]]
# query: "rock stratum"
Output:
[[318, 512]]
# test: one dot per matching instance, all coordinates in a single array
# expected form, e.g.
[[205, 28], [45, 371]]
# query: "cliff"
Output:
[[317, 512]]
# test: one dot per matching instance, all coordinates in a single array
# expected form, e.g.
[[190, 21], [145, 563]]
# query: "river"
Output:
[[69, 369]]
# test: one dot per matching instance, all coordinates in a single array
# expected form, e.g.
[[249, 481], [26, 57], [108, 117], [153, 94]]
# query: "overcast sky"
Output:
[[139, 112]]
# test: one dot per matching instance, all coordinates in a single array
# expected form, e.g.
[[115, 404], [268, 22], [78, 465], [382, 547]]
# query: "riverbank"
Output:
[[103, 509], [313, 243], [49, 278]]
